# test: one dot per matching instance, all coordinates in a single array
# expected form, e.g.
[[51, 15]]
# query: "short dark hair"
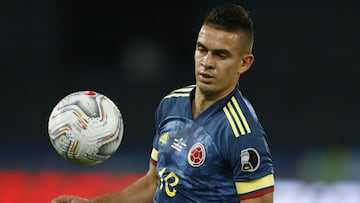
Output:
[[231, 18]]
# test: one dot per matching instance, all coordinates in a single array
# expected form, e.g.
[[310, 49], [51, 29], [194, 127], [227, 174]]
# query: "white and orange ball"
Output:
[[86, 127]]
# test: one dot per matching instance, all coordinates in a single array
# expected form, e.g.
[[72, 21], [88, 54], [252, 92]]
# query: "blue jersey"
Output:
[[220, 156]]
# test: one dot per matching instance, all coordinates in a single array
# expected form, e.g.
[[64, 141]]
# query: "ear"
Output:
[[247, 61]]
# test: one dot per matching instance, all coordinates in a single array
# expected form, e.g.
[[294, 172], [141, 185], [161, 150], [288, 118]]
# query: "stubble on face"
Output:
[[215, 62]]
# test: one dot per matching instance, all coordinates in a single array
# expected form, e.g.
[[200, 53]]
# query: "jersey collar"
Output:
[[214, 107]]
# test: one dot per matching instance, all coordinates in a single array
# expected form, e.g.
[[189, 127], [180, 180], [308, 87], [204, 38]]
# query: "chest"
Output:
[[188, 149]]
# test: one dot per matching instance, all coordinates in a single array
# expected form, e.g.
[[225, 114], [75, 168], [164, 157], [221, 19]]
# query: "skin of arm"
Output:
[[141, 191], [267, 198]]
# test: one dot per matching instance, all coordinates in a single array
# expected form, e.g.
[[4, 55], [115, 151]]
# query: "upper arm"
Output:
[[267, 198], [250, 160]]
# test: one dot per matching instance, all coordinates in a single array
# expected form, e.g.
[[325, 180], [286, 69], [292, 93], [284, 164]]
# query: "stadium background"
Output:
[[304, 86]]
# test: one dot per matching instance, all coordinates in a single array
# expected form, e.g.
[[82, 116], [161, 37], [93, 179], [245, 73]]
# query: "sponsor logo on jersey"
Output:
[[196, 155], [178, 144], [250, 160], [164, 137]]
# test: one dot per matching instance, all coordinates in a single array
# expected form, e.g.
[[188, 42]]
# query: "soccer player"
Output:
[[209, 145]]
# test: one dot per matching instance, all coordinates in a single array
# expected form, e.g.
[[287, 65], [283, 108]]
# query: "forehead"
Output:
[[214, 38]]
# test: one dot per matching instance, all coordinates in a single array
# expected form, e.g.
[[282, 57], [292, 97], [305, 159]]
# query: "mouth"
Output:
[[205, 77]]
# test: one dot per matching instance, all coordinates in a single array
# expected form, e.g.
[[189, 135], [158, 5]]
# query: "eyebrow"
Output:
[[216, 51]]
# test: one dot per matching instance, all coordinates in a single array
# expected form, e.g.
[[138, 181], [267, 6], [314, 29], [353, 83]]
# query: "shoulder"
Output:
[[181, 92], [240, 115], [177, 95], [176, 102], [245, 132], [241, 127]]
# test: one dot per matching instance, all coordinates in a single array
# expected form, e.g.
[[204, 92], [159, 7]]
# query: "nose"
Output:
[[207, 61]]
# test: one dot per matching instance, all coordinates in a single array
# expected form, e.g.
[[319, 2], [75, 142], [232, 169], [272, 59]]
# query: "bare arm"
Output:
[[141, 191], [267, 198]]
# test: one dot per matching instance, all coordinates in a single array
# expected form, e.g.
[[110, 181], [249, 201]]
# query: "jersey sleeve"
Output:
[[247, 151], [154, 151], [252, 166]]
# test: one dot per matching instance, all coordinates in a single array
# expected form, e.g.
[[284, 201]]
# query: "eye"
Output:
[[201, 49], [221, 55]]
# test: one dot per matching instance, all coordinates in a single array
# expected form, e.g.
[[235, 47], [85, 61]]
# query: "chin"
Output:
[[206, 89]]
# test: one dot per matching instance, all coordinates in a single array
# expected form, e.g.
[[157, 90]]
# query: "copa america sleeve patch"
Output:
[[250, 160], [255, 188]]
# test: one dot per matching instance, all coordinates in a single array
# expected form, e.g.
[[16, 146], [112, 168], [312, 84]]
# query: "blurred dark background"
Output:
[[304, 83]]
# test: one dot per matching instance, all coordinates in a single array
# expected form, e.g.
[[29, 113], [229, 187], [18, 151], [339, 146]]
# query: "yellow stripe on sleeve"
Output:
[[231, 121], [177, 95], [154, 154], [182, 92], [243, 119], [186, 89], [257, 184], [236, 117]]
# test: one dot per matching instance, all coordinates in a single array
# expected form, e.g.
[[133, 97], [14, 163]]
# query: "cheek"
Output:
[[229, 75], [197, 58], [197, 62]]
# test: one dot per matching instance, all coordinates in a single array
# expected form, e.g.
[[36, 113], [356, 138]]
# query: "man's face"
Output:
[[218, 61]]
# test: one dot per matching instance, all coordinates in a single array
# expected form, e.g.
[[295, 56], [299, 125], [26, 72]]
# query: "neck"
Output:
[[200, 105], [201, 102]]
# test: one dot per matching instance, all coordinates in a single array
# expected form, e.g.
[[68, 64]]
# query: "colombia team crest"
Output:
[[196, 155]]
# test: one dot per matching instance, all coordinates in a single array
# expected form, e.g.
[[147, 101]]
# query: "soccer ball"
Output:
[[85, 127]]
